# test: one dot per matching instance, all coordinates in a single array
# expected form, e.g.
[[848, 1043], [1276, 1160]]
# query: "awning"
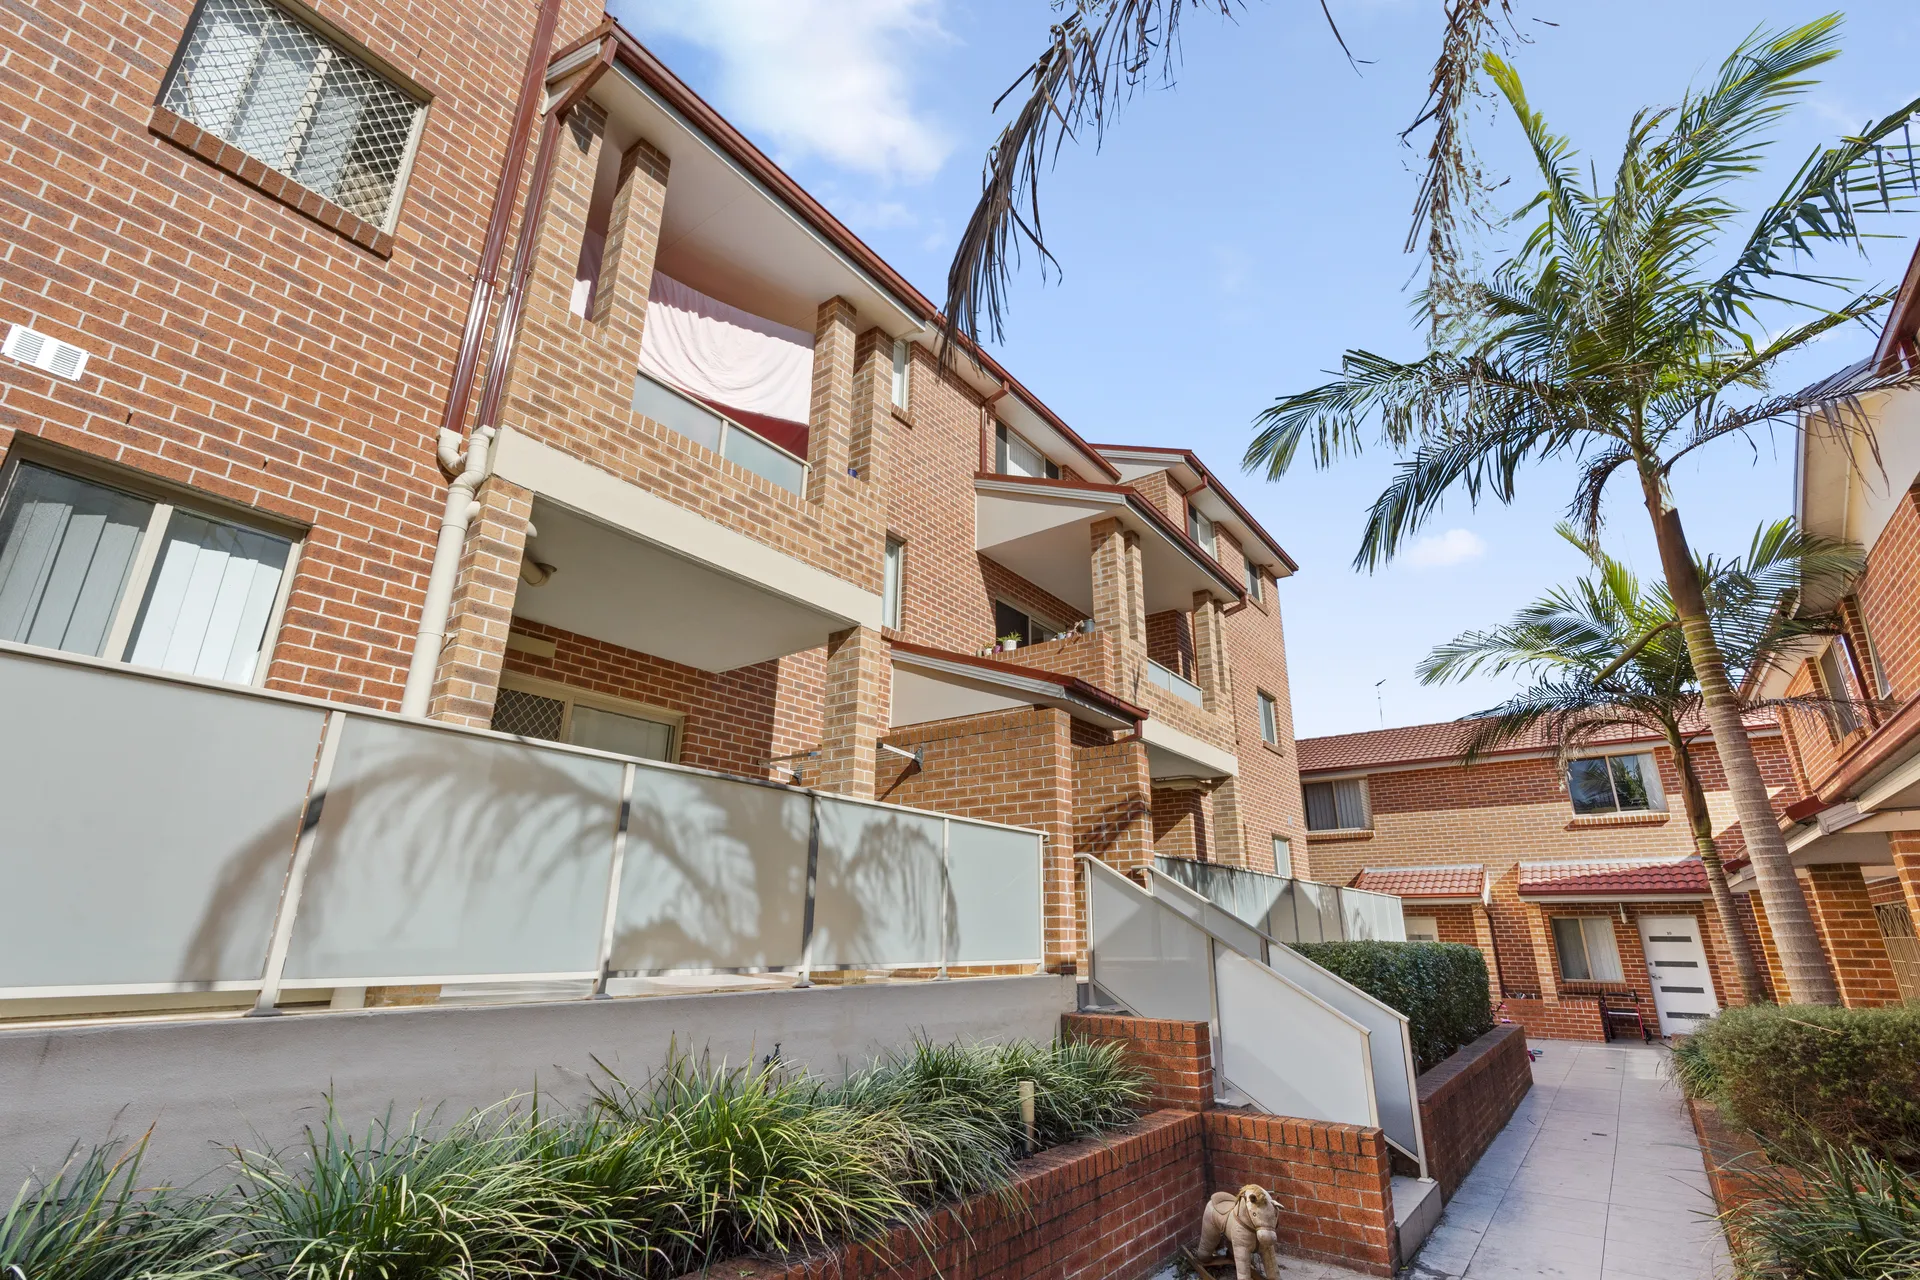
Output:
[[1039, 529], [932, 684], [1638, 880], [1462, 884]]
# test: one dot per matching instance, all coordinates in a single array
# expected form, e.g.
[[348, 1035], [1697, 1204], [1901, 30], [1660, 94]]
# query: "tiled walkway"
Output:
[[1597, 1177]]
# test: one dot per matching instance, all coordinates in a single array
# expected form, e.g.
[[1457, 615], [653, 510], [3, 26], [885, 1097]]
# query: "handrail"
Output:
[[1391, 1045], [1288, 889], [1314, 1086]]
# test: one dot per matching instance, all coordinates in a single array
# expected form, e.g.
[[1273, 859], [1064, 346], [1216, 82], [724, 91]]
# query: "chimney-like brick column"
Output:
[[1856, 950], [1227, 837], [1119, 601], [854, 717], [1545, 959], [1210, 660], [830, 442], [468, 680]]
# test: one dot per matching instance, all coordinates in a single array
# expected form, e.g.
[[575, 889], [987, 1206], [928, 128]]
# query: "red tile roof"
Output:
[[1424, 882], [1610, 878], [1420, 743]]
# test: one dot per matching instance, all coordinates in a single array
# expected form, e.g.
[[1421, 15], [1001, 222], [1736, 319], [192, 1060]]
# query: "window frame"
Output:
[[1034, 620], [1869, 651], [893, 581], [166, 499], [1200, 529], [572, 696], [1256, 586], [1003, 436], [1830, 668], [1269, 707], [900, 392], [1649, 776], [344, 43], [1366, 805], [1583, 929], [1283, 856], [1432, 934]]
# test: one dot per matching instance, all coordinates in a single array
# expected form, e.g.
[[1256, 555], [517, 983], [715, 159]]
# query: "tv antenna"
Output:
[[1379, 702]]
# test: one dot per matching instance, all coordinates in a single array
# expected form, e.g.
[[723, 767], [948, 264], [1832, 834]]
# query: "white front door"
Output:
[[1677, 963]]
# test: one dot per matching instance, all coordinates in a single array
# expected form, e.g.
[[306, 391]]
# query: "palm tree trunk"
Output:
[[1794, 938], [1746, 972]]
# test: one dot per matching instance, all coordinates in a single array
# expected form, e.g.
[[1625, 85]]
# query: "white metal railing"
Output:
[[1276, 1043], [678, 411], [1175, 683], [164, 834], [1292, 910], [1390, 1036]]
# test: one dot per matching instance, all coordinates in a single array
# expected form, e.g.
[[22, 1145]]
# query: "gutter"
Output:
[[1209, 481], [1895, 734]]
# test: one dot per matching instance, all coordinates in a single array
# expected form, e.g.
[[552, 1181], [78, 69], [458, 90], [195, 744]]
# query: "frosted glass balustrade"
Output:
[[879, 889], [995, 878]]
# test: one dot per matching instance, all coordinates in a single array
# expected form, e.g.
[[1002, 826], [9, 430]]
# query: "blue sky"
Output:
[[1241, 229]]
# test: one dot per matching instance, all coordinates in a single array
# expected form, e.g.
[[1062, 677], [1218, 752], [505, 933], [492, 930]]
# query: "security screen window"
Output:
[[1615, 784]]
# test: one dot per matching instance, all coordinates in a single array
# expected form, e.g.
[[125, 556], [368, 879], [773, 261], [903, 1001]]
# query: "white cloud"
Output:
[[1438, 550], [826, 78]]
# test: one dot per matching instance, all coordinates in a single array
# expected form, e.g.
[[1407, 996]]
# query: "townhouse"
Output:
[[1855, 750], [1576, 877], [460, 361]]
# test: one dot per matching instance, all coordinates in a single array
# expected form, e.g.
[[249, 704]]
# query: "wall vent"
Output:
[[61, 359]]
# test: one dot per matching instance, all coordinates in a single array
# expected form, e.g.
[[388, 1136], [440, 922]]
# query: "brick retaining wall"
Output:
[[1112, 1208], [1176, 1057], [1332, 1181], [1466, 1101]]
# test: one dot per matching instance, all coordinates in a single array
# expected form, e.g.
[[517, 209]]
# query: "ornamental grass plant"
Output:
[[649, 1181]]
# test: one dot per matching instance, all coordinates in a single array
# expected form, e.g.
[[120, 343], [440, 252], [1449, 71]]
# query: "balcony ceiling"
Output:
[[930, 686], [727, 235], [1042, 534], [641, 595]]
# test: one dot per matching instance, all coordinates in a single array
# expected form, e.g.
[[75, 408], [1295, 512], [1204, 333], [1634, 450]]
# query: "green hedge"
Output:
[[1440, 986], [1807, 1075]]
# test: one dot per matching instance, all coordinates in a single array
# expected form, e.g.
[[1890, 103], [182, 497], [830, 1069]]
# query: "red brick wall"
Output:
[[1268, 788], [1333, 1183], [1850, 932], [1012, 766], [1116, 1207], [1562, 1020], [1180, 828], [237, 346], [1466, 1101], [1112, 803], [735, 720], [1175, 1057]]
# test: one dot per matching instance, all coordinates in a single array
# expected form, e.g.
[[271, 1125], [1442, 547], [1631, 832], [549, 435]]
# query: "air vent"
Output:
[[61, 359]]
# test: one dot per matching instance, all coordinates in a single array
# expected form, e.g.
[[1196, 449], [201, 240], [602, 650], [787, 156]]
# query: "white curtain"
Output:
[[719, 352], [211, 599]]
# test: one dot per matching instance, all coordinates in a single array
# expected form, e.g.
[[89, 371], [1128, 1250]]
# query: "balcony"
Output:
[[724, 435], [1174, 683]]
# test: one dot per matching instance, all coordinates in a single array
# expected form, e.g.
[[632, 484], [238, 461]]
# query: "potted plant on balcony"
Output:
[[1008, 642]]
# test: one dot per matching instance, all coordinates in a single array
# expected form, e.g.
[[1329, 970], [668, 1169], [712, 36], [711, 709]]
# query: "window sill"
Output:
[[902, 416], [1650, 819], [1344, 833], [223, 155], [1274, 748]]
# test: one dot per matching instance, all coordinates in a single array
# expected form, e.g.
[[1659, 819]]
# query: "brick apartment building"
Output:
[[1855, 836], [1577, 879], [293, 397]]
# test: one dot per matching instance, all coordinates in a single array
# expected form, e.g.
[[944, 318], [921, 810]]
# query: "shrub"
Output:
[[1441, 987], [1805, 1075], [1843, 1215], [89, 1221]]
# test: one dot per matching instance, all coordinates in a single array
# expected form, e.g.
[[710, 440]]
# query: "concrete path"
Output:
[[1596, 1177]]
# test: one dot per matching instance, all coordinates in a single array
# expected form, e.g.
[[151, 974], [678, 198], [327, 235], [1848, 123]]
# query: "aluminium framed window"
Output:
[[529, 707], [1422, 928], [1588, 952], [1013, 620], [1843, 715], [893, 577], [902, 372], [1269, 718], [1199, 528], [1339, 805], [1253, 582], [96, 564], [295, 98], [1283, 857], [1599, 785], [1014, 456]]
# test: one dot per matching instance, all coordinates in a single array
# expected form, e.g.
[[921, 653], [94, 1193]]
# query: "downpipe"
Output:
[[469, 469]]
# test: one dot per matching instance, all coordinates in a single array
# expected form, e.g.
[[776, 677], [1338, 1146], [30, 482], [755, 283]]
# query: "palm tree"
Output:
[[1102, 52], [1609, 338], [1607, 654]]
